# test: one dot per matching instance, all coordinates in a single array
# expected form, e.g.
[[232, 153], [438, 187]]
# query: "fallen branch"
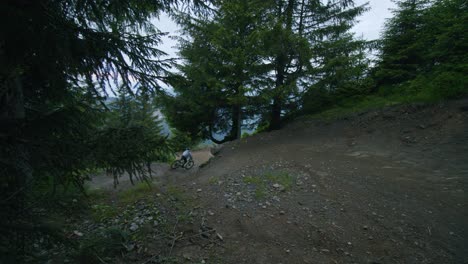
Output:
[[175, 237]]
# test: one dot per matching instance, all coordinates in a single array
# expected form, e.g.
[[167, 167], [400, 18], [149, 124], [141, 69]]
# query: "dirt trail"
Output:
[[161, 173], [386, 186]]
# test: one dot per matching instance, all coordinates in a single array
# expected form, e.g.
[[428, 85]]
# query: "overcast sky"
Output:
[[369, 27]]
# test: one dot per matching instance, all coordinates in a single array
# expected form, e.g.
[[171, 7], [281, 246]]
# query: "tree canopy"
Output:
[[251, 60]]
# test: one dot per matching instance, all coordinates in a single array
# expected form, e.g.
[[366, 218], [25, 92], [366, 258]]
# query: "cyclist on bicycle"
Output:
[[186, 155]]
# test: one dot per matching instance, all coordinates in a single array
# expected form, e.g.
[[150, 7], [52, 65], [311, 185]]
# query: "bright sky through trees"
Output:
[[369, 27]]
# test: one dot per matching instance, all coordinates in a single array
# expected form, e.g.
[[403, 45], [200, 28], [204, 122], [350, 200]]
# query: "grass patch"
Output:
[[424, 89], [263, 182], [359, 105], [213, 180], [140, 191], [260, 184], [101, 212], [102, 208], [253, 180], [282, 178], [261, 192], [180, 200]]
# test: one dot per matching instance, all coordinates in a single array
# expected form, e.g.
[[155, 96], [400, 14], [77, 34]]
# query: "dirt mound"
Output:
[[386, 186]]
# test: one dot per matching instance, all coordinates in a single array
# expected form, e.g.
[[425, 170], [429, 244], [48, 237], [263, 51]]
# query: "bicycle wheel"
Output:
[[176, 164], [189, 164]]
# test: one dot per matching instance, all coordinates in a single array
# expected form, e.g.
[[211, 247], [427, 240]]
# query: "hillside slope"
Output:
[[386, 186]]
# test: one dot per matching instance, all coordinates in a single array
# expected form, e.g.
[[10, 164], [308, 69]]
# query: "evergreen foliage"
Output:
[[424, 50], [256, 59], [131, 139], [217, 77], [58, 62]]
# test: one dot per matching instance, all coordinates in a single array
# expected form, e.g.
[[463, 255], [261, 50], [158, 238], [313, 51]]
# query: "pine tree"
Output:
[[403, 48], [58, 61], [423, 51], [221, 58], [299, 28]]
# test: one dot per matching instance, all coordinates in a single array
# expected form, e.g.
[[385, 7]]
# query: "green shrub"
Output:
[[449, 85]]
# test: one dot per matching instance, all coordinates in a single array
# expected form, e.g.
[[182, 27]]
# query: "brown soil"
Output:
[[386, 186]]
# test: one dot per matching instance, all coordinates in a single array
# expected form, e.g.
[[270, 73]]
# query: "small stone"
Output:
[[350, 244], [78, 233], [130, 247], [279, 187], [365, 227], [281, 212], [133, 227], [324, 250], [199, 190], [238, 193], [210, 212], [187, 256], [288, 251]]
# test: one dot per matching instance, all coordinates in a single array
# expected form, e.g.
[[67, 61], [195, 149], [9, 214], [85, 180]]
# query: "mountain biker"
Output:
[[186, 155]]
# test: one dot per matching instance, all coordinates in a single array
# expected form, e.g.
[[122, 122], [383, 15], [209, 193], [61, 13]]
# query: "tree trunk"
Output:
[[281, 64], [236, 122], [18, 173], [275, 121], [13, 116]]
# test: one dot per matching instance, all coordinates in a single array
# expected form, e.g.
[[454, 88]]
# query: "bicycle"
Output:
[[179, 163]]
